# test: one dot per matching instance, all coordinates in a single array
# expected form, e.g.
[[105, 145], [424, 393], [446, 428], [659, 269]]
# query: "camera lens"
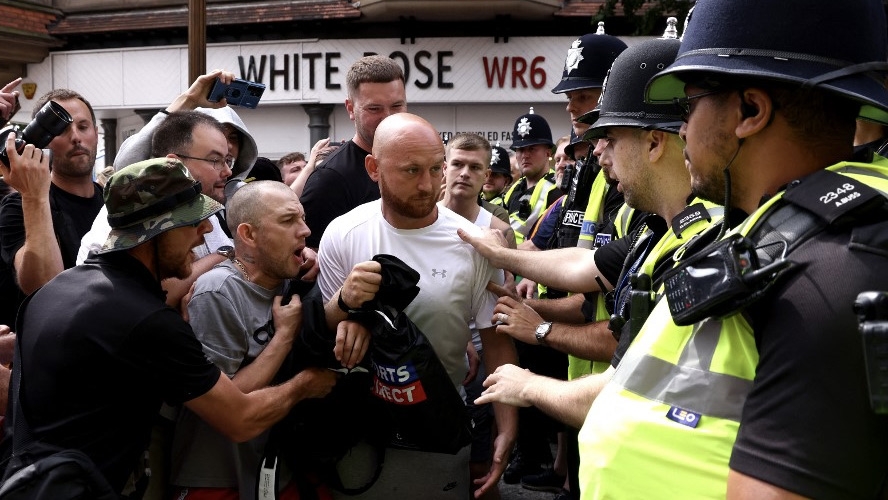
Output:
[[235, 93], [49, 122]]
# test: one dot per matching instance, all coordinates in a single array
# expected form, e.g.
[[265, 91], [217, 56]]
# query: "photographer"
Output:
[[60, 202]]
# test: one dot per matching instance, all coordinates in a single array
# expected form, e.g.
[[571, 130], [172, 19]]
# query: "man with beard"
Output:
[[724, 393], [237, 315], [407, 162], [375, 87], [117, 351], [57, 193], [499, 176]]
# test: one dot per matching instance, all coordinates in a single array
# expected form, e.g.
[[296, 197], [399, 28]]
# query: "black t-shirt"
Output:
[[807, 425], [100, 352], [72, 217], [338, 185]]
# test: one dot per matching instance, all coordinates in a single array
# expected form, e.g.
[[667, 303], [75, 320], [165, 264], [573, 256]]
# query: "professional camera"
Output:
[[49, 122]]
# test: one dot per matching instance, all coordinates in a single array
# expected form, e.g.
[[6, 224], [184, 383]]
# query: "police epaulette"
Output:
[[832, 197]]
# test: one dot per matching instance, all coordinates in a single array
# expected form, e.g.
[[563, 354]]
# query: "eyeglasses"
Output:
[[684, 103], [217, 163]]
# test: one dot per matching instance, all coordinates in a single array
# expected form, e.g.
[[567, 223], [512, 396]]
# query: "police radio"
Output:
[[567, 177], [872, 318], [719, 281]]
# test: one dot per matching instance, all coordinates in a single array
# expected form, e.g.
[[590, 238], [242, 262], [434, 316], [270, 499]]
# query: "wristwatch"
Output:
[[226, 251], [542, 332]]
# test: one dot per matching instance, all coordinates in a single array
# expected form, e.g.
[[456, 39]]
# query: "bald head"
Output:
[[404, 126], [249, 203], [407, 162]]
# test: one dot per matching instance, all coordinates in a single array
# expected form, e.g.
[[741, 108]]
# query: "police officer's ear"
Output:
[[756, 111], [656, 141], [372, 167]]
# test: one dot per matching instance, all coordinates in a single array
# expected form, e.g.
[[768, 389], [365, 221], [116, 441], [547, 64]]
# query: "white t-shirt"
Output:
[[452, 282], [98, 234]]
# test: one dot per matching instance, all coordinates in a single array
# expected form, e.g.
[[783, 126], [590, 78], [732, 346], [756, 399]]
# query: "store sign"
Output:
[[436, 69]]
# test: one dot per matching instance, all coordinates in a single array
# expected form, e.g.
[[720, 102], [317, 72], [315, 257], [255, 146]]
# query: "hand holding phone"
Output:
[[238, 93]]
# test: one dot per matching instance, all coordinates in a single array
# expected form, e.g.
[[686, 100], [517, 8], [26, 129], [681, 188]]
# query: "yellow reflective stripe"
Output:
[[538, 203], [624, 216], [690, 384], [594, 210]]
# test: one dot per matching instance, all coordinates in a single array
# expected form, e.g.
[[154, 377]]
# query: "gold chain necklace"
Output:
[[243, 270]]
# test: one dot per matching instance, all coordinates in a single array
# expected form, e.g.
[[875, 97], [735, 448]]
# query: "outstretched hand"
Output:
[[196, 95], [9, 103], [488, 242], [506, 385]]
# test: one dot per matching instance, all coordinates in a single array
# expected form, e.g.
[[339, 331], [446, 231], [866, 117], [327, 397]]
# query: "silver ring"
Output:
[[503, 317]]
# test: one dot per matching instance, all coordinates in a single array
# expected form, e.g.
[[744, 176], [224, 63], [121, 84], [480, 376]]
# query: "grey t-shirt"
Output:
[[232, 318]]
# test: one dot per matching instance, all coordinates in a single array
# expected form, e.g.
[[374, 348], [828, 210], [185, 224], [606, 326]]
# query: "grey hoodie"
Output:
[[137, 147]]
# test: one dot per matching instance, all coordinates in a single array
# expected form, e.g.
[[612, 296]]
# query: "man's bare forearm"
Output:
[[566, 401], [176, 288], [549, 268], [39, 259], [563, 310], [592, 341]]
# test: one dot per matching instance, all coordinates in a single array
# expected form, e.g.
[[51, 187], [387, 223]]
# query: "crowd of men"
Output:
[[668, 294]]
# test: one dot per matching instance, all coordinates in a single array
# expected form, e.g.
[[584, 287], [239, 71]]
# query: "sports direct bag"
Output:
[[424, 409]]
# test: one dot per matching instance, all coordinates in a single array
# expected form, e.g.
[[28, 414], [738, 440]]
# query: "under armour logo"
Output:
[[442, 272]]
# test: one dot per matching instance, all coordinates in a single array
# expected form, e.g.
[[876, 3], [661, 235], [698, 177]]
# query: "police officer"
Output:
[[585, 69], [733, 393], [623, 126], [528, 198], [586, 65], [499, 177]]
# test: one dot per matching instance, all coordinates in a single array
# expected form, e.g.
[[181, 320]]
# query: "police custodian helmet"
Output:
[[622, 101], [499, 161], [531, 129], [588, 59], [763, 39]]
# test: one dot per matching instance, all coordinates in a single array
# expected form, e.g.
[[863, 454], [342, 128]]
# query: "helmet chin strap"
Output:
[[727, 172]]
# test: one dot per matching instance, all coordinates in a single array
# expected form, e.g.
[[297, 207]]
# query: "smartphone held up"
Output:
[[238, 93]]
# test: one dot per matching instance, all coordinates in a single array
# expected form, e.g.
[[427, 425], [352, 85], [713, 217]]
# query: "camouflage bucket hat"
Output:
[[149, 198]]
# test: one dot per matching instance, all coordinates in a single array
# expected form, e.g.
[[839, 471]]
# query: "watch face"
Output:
[[542, 331]]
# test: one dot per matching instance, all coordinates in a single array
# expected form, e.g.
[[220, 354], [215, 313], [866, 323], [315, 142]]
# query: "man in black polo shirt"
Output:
[[93, 375]]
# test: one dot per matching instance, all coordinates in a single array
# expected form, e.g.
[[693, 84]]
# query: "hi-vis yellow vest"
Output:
[[665, 425], [538, 204], [578, 367], [670, 241], [594, 210]]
